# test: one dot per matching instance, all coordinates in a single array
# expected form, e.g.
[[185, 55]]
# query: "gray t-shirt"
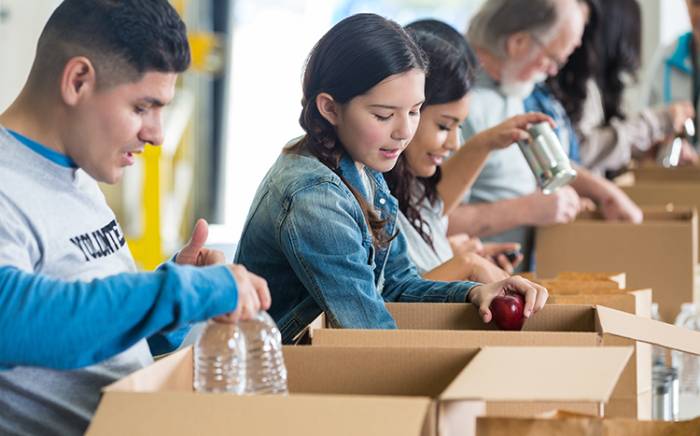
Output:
[[425, 257], [506, 174], [55, 221]]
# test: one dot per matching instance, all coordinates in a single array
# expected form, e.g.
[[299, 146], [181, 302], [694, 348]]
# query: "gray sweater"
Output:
[[55, 222]]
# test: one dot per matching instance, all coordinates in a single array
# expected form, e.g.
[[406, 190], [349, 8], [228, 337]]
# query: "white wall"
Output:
[[271, 41], [19, 32], [662, 22]]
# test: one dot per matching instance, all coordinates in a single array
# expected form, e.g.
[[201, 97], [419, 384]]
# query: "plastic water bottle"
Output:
[[658, 355], [220, 359], [265, 370], [688, 365]]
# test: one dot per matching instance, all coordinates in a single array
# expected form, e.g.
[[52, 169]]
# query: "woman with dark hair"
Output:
[[426, 189], [322, 226], [591, 87]]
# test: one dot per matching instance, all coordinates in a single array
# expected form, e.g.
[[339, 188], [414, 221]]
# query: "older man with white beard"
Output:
[[519, 43]]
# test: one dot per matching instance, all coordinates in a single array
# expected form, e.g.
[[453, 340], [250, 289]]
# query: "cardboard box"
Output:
[[660, 253], [636, 302], [657, 174], [459, 325], [574, 287], [662, 194], [597, 288], [453, 374], [576, 425], [621, 407], [619, 278], [368, 391]]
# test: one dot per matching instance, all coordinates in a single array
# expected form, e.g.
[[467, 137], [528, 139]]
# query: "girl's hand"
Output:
[[482, 295]]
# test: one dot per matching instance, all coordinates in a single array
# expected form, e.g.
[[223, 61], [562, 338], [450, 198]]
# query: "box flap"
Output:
[[444, 338], [465, 316], [653, 173], [651, 213], [617, 323], [573, 287], [186, 414], [541, 374], [619, 277], [637, 302], [437, 316], [171, 373], [374, 370]]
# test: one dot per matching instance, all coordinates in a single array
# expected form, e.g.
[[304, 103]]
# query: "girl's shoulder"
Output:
[[295, 173]]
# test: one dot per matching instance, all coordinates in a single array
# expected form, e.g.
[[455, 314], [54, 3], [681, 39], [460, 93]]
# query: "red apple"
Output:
[[507, 311]]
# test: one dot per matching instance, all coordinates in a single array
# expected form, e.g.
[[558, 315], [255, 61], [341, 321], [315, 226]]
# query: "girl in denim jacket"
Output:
[[428, 190], [322, 227]]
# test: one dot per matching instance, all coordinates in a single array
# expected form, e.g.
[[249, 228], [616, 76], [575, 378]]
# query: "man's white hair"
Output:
[[498, 19]]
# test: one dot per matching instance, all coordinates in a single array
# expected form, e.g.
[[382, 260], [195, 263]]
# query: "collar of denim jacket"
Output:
[[383, 200], [349, 170]]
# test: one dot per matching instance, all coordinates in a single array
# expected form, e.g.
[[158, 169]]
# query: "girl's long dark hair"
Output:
[[620, 51], [449, 79], [611, 45], [351, 58], [569, 85]]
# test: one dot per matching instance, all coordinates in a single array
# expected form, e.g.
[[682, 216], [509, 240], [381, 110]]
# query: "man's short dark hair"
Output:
[[124, 39]]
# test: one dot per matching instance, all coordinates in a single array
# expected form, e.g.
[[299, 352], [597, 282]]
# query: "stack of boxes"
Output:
[[581, 366]]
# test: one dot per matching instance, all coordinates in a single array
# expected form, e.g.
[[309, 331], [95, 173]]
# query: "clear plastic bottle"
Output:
[[687, 364], [219, 359], [658, 355], [265, 369]]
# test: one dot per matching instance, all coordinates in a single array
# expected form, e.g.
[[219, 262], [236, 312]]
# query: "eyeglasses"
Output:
[[548, 54]]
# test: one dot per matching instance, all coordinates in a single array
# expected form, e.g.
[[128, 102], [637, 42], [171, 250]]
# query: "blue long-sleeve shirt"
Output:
[[58, 324]]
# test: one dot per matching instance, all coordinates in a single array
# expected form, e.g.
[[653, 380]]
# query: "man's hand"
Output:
[[512, 130], [619, 207], [559, 207], [194, 252]]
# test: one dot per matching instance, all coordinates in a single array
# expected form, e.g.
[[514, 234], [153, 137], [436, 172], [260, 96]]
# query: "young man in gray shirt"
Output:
[[74, 313]]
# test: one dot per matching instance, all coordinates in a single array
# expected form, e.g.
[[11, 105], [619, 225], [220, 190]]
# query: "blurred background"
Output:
[[239, 103]]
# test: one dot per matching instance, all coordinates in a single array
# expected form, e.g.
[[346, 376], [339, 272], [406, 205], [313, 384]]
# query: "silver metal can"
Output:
[[670, 154], [547, 160]]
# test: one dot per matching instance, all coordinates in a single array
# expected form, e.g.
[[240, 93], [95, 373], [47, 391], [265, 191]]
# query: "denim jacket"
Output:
[[306, 235]]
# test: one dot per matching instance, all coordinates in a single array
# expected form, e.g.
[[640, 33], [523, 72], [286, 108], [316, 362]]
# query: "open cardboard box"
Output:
[[618, 278], [605, 289], [634, 301], [662, 194], [658, 174], [368, 391], [459, 325], [569, 424], [637, 302], [659, 253]]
